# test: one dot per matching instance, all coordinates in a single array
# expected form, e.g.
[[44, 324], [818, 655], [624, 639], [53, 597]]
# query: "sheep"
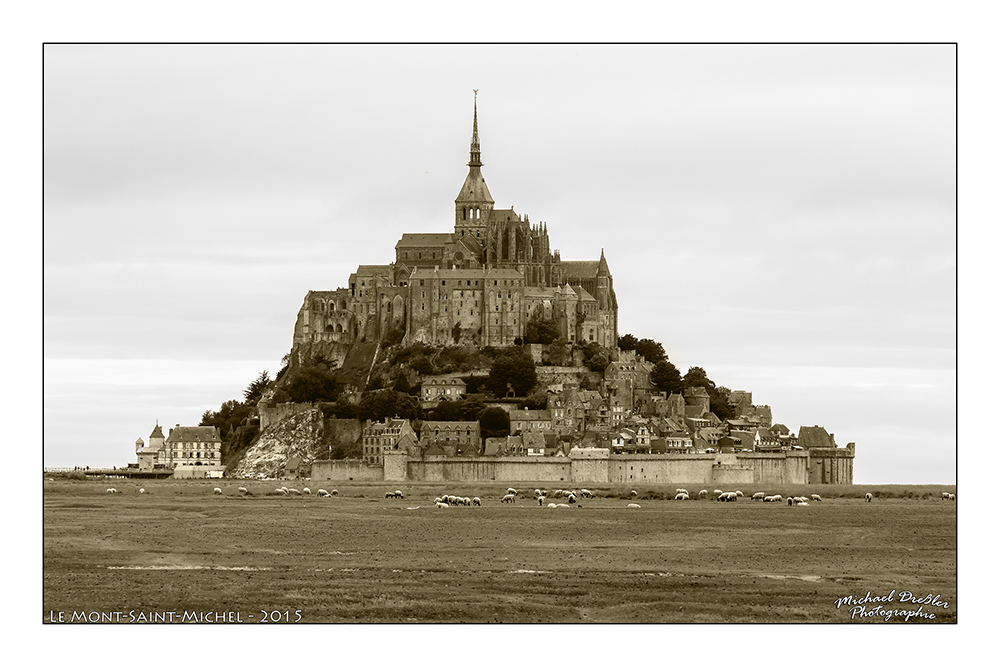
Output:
[[281, 492], [868, 497], [758, 496], [684, 491], [142, 490], [634, 493], [295, 491], [951, 496], [947, 496], [509, 498], [538, 492], [512, 492], [441, 505], [682, 496], [477, 502], [727, 497], [306, 491], [739, 494], [586, 493], [635, 505], [334, 492], [551, 505], [816, 497], [322, 493], [717, 492], [572, 499], [217, 491], [541, 500], [112, 491], [703, 494]]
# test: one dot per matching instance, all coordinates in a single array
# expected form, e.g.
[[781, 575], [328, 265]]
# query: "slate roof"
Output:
[[424, 240], [193, 434]]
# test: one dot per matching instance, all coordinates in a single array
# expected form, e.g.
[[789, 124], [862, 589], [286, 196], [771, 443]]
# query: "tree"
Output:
[[666, 377], [697, 377], [309, 382], [627, 342], [598, 363], [513, 368], [540, 330], [650, 350], [384, 403], [494, 423], [256, 389]]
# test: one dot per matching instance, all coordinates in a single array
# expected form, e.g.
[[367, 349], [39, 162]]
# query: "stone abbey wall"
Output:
[[599, 466]]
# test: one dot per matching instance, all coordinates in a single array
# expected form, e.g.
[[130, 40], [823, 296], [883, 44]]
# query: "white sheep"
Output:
[[334, 492], [586, 493], [538, 492], [243, 489], [726, 497], [217, 491], [682, 496], [541, 500], [512, 492], [636, 505], [112, 491], [868, 497], [951, 496], [477, 502], [703, 494], [295, 491], [758, 496], [323, 493], [441, 505], [142, 490], [634, 493], [684, 491], [509, 498], [306, 491], [717, 492], [551, 505], [739, 494], [816, 497]]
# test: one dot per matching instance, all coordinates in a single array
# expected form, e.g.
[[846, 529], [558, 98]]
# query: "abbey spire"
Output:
[[474, 203], [475, 160]]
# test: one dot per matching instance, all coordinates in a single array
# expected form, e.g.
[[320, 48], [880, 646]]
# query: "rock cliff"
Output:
[[299, 434]]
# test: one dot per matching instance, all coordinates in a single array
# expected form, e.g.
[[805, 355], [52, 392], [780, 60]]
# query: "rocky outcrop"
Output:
[[299, 435]]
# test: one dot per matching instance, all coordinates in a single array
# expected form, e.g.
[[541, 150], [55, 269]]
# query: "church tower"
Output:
[[474, 203]]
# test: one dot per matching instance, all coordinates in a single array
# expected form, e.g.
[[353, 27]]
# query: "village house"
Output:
[[461, 437], [442, 389], [388, 435]]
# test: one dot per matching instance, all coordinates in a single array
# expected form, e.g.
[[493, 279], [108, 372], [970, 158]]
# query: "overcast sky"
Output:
[[782, 216]]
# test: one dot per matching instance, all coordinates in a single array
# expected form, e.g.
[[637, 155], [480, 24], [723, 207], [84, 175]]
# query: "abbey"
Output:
[[478, 285]]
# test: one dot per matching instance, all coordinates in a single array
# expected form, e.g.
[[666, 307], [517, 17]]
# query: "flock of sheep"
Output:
[[542, 496]]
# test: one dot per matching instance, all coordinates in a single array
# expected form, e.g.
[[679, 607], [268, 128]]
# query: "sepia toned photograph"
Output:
[[530, 334]]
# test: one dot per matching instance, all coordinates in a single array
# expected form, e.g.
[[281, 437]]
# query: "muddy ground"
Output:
[[359, 557]]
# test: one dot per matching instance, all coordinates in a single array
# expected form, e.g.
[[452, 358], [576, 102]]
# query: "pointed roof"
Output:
[[157, 432], [474, 189]]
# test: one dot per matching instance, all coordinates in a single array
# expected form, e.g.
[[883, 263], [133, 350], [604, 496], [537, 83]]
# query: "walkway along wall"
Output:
[[599, 466]]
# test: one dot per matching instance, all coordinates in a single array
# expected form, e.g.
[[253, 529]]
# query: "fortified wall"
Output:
[[599, 466]]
